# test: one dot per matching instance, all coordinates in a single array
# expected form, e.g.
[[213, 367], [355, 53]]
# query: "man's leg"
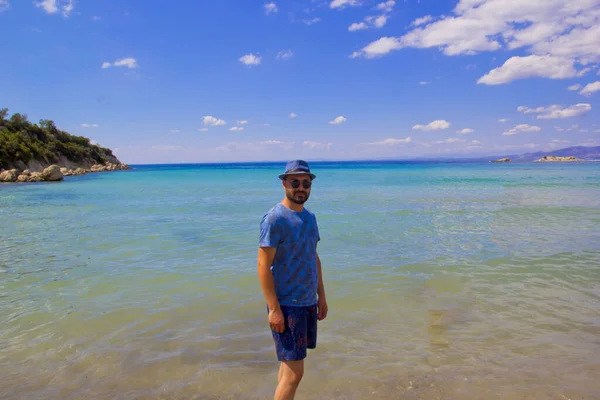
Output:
[[290, 375]]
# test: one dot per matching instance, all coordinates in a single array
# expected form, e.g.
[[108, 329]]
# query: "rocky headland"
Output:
[[42, 153]]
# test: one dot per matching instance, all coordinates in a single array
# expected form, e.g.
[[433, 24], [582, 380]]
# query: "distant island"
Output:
[[41, 152], [567, 154], [544, 159]]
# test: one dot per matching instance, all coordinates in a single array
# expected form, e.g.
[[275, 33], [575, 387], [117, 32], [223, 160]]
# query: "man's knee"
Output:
[[293, 371]]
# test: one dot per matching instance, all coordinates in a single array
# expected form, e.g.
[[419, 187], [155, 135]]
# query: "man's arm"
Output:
[[267, 283], [321, 289], [323, 309]]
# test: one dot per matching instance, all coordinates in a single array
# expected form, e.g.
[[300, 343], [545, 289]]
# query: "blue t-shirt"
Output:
[[295, 236]]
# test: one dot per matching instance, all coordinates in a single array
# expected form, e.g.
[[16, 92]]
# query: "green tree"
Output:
[[18, 122], [48, 125]]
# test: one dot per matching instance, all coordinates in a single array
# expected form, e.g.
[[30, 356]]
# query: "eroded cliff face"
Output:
[[63, 162]]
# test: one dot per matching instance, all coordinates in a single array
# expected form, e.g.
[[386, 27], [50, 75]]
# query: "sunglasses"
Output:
[[295, 183]]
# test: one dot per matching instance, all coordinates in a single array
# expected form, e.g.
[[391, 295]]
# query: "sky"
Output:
[[248, 80]]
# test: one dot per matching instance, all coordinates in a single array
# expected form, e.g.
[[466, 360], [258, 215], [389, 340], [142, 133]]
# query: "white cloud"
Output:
[[559, 34], [528, 67], [570, 129], [475, 143], [317, 145], [284, 54], [250, 59], [449, 141], [378, 21], [90, 125], [212, 121], [527, 110], [557, 111], [236, 129], [49, 6], [270, 8], [68, 8], [53, 6], [293, 115], [271, 142], [203, 130], [574, 87], [242, 122], [560, 141], [174, 131], [338, 120], [503, 120], [94, 142], [424, 82], [358, 26], [343, 3], [123, 62], [392, 141], [422, 20], [4, 5], [311, 21], [590, 88], [386, 6], [95, 18], [378, 48], [522, 128], [433, 126], [465, 131]]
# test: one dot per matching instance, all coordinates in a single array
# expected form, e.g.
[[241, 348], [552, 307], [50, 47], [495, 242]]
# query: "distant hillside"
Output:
[[24, 145], [582, 152]]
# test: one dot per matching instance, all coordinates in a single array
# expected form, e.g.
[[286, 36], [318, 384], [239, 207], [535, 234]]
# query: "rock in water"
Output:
[[52, 173], [10, 175], [502, 160], [36, 177], [557, 159]]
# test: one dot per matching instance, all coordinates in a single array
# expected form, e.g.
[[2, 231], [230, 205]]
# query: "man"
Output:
[[289, 270]]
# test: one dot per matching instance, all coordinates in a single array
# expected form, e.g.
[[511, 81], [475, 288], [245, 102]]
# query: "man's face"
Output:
[[295, 188]]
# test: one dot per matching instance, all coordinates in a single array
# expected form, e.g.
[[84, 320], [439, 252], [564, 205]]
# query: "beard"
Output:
[[297, 196]]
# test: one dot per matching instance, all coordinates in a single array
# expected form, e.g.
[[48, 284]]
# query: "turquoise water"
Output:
[[444, 280]]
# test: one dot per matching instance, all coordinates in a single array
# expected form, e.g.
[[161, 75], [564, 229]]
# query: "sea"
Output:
[[445, 280]]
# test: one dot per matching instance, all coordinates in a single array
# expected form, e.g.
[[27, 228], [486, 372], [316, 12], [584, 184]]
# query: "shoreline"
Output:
[[55, 173]]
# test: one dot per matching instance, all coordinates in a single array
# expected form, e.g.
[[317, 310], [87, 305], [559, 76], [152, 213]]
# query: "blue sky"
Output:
[[245, 80]]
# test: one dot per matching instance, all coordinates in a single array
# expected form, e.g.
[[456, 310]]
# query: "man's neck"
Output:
[[291, 205]]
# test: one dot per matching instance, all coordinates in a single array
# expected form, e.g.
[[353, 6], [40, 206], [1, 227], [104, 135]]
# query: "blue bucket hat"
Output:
[[297, 167]]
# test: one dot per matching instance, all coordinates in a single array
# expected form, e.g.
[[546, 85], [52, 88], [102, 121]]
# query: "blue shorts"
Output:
[[300, 333]]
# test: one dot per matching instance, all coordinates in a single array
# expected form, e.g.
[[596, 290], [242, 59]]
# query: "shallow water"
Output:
[[444, 281]]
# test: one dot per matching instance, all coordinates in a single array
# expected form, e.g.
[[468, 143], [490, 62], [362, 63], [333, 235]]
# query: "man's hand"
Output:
[[322, 309], [276, 320]]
